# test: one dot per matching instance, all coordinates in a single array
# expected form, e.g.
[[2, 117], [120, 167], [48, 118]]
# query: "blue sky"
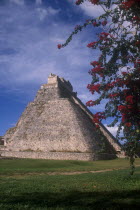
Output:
[[29, 33]]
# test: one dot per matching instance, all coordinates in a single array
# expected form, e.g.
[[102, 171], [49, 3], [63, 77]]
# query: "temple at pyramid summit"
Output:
[[57, 125]]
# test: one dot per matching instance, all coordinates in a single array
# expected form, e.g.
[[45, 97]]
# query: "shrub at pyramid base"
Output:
[[57, 125]]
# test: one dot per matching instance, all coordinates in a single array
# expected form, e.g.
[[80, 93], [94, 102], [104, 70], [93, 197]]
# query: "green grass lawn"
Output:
[[24, 185], [22, 166]]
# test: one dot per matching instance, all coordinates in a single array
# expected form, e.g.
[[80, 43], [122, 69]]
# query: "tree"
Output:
[[116, 73]]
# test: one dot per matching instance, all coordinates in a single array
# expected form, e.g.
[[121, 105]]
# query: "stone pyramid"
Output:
[[57, 125]]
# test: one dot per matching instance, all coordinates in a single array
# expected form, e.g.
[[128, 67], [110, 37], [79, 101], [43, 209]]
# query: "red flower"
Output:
[[121, 82], [136, 18], [98, 117], [137, 61], [129, 3], [125, 109], [97, 126], [90, 103], [113, 95], [104, 22], [59, 46], [97, 69], [123, 117], [126, 5], [110, 85], [125, 91], [122, 108], [93, 88], [88, 20], [95, 120], [137, 42], [130, 108], [77, 27], [94, 1], [130, 99], [94, 63], [128, 124], [91, 45], [104, 35], [124, 73], [78, 2], [94, 23]]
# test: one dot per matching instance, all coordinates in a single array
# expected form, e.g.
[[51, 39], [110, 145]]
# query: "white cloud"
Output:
[[86, 96], [36, 54], [38, 1], [53, 11], [44, 12], [32, 42], [19, 2], [91, 10], [113, 130], [88, 8]]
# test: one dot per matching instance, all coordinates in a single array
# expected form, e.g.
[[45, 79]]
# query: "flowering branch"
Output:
[[116, 73]]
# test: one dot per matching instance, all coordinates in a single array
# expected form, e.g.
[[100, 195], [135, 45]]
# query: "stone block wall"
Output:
[[58, 155]]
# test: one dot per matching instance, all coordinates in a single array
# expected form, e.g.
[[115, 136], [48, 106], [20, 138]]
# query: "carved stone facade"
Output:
[[57, 125]]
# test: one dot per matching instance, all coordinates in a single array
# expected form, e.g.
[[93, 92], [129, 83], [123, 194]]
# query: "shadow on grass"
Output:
[[76, 200]]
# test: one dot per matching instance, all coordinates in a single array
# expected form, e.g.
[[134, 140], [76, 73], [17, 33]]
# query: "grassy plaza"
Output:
[[51, 184]]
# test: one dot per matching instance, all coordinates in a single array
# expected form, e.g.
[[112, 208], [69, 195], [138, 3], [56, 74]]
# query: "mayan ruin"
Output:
[[57, 125]]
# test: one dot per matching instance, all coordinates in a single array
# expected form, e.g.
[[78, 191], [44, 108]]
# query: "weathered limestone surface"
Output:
[[59, 155], [56, 125]]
